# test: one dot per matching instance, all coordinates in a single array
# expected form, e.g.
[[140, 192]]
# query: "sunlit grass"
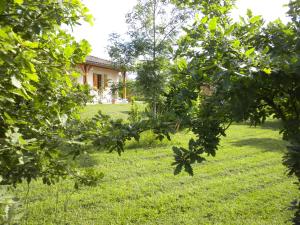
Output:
[[244, 184], [118, 111]]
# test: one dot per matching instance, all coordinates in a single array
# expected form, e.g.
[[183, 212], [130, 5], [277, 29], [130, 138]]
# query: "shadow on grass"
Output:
[[86, 160], [272, 124], [148, 140], [147, 145], [125, 112], [269, 124], [295, 206], [265, 144]]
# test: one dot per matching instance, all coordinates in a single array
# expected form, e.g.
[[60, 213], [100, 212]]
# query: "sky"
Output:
[[109, 17]]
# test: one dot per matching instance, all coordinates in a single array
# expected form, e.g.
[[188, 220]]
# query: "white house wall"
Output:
[[112, 75]]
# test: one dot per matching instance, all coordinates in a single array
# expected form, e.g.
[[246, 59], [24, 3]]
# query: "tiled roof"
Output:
[[92, 60]]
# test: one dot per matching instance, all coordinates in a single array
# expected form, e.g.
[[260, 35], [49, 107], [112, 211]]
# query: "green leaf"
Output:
[[21, 92], [3, 32], [22, 141], [229, 30], [8, 119], [90, 19], [178, 169], [63, 93], [32, 76], [249, 52], [204, 19], [29, 88], [255, 19], [188, 168], [30, 44], [31, 66], [267, 70], [68, 51], [19, 2], [249, 13], [236, 44], [68, 81], [181, 63], [212, 24], [176, 151], [266, 50]]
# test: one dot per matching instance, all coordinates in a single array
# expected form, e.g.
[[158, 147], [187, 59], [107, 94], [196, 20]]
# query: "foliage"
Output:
[[153, 26], [39, 99], [155, 23], [237, 71], [107, 133], [132, 90], [250, 68], [134, 114], [151, 81], [103, 132], [87, 177], [122, 52]]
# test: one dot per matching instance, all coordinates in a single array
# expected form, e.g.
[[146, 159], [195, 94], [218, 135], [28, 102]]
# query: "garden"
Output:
[[214, 138], [245, 184]]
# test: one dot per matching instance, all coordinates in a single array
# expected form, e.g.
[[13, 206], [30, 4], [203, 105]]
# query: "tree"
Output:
[[131, 90], [252, 73], [153, 26], [124, 55], [39, 99]]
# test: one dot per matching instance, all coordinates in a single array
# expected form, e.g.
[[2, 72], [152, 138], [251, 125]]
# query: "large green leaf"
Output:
[[255, 19], [236, 43], [212, 24], [249, 52]]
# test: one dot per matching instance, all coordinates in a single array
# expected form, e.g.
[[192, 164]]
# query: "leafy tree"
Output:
[[124, 54], [39, 99], [132, 91], [251, 70], [153, 26]]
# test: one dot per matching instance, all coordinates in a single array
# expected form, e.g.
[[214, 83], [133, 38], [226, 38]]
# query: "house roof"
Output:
[[95, 61]]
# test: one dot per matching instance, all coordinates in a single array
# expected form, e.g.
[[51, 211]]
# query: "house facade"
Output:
[[100, 75]]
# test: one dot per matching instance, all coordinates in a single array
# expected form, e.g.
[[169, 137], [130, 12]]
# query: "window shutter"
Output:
[[99, 81], [95, 81]]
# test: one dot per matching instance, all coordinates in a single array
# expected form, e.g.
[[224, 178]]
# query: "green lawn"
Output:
[[119, 111], [244, 184]]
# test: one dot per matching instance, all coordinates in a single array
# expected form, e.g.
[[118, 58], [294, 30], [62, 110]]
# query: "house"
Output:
[[100, 75]]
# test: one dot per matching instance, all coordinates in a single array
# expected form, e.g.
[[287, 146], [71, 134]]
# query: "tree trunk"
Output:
[[124, 85], [154, 56]]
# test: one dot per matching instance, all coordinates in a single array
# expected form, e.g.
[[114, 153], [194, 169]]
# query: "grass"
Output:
[[117, 111], [244, 184]]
